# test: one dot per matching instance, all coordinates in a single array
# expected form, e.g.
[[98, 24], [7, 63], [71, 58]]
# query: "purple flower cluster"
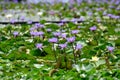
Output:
[[34, 31], [38, 25], [79, 46], [39, 45], [15, 33], [12, 21], [70, 39], [53, 40], [29, 22], [63, 35], [40, 33], [75, 31], [110, 48], [48, 30], [93, 28], [56, 34], [51, 12], [113, 16], [60, 24], [62, 46]]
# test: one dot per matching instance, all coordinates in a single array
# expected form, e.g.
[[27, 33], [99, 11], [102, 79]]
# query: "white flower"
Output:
[[38, 65], [77, 68], [8, 15], [95, 58], [27, 51], [39, 13]]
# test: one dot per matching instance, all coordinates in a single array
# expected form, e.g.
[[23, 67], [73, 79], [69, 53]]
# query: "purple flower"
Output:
[[32, 28], [39, 45], [56, 33], [15, 33], [110, 48], [98, 20], [53, 40], [38, 25], [81, 19], [60, 24], [93, 28], [51, 12], [79, 26], [63, 21], [29, 22], [75, 31], [104, 13], [115, 17], [62, 46], [12, 21], [63, 35], [79, 46], [71, 2], [109, 15], [34, 33], [73, 20], [71, 39], [49, 30], [15, 1], [22, 18], [40, 33], [89, 13]]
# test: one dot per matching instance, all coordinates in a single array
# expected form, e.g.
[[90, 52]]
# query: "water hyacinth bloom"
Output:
[[75, 31], [32, 28], [109, 15], [40, 33], [60, 24], [49, 30], [79, 26], [115, 17], [62, 46], [12, 21], [70, 39], [82, 18], [110, 48], [63, 35], [15, 33], [53, 40], [22, 18], [56, 34], [63, 21], [34, 33], [79, 46], [38, 25], [29, 22], [39, 45], [15, 1], [79, 2], [93, 28], [71, 2], [73, 20], [89, 13], [51, 12]]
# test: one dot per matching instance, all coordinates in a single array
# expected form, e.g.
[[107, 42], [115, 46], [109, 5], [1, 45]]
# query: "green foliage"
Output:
[[20, 59]]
